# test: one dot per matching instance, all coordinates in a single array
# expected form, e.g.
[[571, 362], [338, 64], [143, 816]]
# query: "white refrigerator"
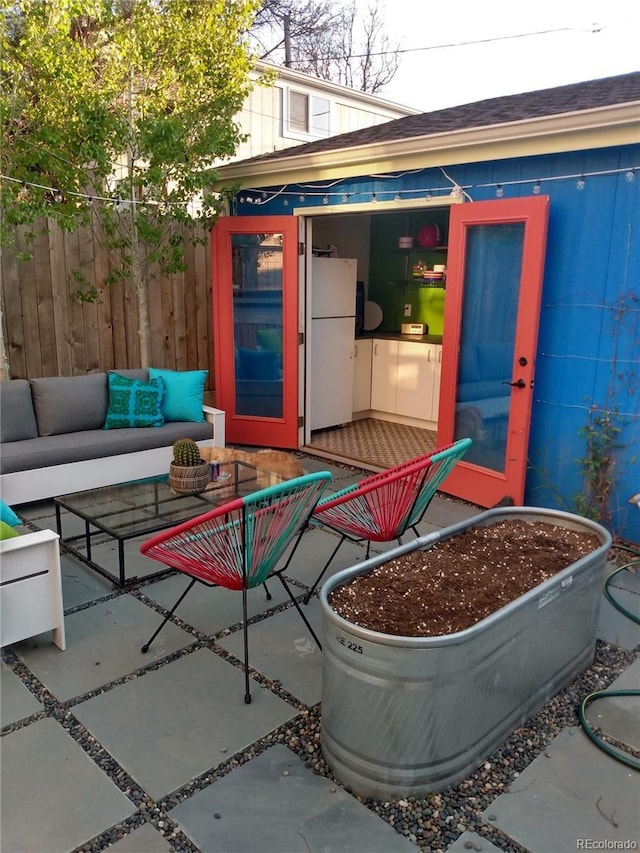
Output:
[[333, 309]]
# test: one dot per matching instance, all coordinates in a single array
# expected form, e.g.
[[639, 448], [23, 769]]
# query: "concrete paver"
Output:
[[54, 797], [275, 803], [177, 722]]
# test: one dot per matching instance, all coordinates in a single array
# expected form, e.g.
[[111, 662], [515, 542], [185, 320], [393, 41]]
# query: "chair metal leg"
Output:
[[146, 646], [321, 575], [300, 611], [245, 631]]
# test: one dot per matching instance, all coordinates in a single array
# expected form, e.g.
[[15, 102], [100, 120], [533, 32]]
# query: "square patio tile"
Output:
[[181, 720], [80, 584], [103, 644], [313, 552], [282, 648], [54, 798], [294, 813], [16, 702], [572, 791], [212, 609], [472, 841], [618, 716]]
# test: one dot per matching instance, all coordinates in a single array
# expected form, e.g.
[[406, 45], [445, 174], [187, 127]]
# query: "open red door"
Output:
[[255, 324], [492, 307]]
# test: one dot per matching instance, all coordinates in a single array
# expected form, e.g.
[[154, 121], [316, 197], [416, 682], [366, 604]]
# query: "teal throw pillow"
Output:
[[183, 393], [133, 403], [8, 515], [6, 531]]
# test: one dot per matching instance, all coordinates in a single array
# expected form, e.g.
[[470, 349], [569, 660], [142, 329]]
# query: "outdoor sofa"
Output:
[[65, 434]]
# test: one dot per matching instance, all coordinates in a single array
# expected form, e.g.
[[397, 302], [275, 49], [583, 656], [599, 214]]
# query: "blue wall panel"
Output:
[[589, 337]]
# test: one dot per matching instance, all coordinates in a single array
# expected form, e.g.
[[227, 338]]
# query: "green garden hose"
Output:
[[601, 694]]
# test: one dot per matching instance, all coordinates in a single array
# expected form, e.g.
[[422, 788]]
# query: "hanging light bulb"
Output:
[[429, 195], [537, 188], [301, 197], [580, 183], [374, 197], [499, 191], [285, 202], [345, 197], [398, 197], [630, 175], [325, 199]]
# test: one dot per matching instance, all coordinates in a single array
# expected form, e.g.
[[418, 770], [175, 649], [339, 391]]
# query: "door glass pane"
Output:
[[257, 323], [492, 275]]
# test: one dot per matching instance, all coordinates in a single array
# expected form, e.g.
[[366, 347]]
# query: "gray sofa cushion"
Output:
[[17, 418], [65, 404], [95, 444]]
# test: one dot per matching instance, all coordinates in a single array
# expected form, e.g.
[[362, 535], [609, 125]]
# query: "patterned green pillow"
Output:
[[133, 403]]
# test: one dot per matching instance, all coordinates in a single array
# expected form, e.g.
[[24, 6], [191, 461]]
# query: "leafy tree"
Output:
[[116, 109], [319, 38]]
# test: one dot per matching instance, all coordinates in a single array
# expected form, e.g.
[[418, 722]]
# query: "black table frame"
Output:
[[95, 525]]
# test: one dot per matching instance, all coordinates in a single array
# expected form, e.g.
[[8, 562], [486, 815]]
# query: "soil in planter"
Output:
[[461, 580]]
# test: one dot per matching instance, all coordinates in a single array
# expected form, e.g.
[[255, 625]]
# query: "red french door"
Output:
[[492, 307], [255, 323]]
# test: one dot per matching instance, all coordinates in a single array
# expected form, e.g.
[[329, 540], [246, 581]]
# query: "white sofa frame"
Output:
[[31, 588], [45, 483]]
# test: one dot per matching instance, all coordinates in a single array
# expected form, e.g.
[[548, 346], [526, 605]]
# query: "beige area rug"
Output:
[[376, 442]]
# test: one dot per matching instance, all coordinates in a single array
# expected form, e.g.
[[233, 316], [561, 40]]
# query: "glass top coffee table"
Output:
[[138, 509]]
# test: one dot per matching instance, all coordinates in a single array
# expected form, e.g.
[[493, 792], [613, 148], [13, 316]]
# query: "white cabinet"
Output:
[[437, 371], [384, 369], [405, 378], [417, 377], [362, 350]]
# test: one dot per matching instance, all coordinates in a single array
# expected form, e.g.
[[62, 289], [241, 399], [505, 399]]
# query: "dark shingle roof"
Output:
[[575, 97]]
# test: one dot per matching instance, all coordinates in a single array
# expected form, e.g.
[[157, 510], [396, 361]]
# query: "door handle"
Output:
[[520, 383]]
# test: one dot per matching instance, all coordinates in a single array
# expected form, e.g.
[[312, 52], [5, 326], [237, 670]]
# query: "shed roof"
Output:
[[505, 123]]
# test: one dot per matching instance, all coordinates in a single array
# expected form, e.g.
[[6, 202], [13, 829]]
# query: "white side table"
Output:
[[31, 588]]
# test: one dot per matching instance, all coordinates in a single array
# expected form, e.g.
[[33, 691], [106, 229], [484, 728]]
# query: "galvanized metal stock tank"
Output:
[[403, 716]]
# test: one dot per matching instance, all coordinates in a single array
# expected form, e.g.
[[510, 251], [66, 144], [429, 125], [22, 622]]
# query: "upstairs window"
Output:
[[307, 115]]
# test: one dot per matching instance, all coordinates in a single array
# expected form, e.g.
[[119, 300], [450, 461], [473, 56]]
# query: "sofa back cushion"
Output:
[[17, 418], [70, 403]]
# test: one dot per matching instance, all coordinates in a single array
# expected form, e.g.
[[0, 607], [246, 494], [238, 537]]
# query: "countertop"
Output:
[[398, 336]]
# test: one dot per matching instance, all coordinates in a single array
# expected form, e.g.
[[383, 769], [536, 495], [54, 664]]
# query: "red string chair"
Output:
[[383, 507], [239, 545]]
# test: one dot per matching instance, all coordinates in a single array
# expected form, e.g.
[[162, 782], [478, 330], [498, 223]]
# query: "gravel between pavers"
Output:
[[432, 823]]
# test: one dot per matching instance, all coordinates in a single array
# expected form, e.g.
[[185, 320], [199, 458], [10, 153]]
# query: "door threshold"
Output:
[[343, 460]]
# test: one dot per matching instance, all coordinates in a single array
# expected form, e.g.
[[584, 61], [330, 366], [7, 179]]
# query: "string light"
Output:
[[324, 192]]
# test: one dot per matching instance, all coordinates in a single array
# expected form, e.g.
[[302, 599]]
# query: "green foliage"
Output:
[[597, 466], [186, 452], [128, 102]]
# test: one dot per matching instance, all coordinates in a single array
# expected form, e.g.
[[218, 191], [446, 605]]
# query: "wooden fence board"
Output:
[[49, 333], [60, 302]]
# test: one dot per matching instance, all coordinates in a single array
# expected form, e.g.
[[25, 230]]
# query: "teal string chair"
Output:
[[239, 545], [383, 507]]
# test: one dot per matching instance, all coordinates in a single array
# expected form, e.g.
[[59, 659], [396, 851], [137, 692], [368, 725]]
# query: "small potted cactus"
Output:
[[188, 473]]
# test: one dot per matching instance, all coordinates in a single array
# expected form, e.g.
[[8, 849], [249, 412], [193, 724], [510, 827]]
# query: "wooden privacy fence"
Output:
[[48, 332]]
